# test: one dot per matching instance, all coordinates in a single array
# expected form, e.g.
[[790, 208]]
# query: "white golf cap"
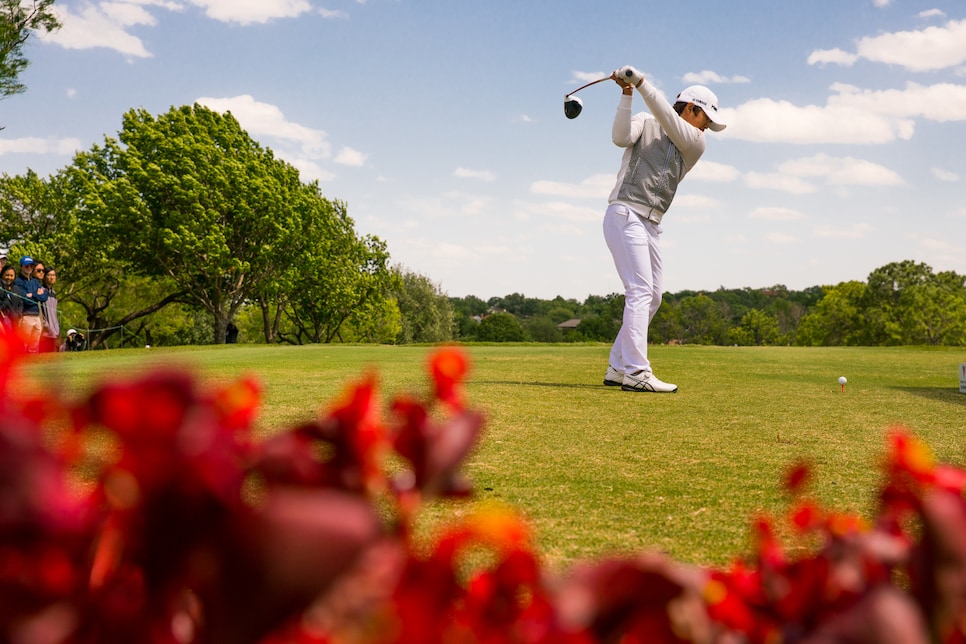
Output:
[[706, 100]]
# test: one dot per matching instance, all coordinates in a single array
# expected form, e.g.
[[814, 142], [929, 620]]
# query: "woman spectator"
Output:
[[50, 335], [10, 304]]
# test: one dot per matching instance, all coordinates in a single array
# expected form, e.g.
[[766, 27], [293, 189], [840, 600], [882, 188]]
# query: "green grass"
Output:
[[597, 470]]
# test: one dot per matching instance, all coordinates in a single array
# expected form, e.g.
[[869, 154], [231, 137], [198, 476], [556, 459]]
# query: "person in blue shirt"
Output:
[[33, 293]]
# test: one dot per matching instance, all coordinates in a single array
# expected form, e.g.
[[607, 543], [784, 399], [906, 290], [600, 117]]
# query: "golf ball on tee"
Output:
[[842, 380]]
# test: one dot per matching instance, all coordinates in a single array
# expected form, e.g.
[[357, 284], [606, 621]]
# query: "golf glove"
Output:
[[630, 75]]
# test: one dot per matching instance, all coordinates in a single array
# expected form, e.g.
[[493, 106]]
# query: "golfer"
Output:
[[659, 149]]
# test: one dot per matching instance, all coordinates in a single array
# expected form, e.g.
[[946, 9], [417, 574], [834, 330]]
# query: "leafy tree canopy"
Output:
[[19, 19]]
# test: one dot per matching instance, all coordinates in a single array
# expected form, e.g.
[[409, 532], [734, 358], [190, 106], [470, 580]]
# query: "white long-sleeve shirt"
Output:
[[660, 148]]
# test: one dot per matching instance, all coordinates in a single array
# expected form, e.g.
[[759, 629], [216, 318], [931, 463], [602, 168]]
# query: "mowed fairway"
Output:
[[597, 470]]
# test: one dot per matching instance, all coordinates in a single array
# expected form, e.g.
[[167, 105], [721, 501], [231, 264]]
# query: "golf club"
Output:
[[572, 104]]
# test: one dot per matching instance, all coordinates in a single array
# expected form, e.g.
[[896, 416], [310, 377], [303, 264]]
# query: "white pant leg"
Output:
[[636, 249]]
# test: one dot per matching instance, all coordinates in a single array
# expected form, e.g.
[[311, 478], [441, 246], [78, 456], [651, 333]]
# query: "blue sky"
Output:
[[440, 123]]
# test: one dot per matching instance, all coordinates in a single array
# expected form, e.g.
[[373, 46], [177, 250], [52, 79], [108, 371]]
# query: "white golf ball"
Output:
[[842, 380]]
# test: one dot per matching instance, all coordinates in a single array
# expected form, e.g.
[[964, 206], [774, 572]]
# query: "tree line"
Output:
[[901, 303]]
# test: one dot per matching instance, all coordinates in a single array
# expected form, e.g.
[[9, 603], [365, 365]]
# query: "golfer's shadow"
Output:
[[560, 385], [941, 394]]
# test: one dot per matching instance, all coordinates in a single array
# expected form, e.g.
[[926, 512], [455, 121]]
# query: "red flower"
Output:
[[449, 367], [798, 477]]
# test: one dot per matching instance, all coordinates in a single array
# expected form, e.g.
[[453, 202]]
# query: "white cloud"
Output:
[[335, 14], [796, 176], [482, 175], [881, 3], [855, 231], [922, 50], [708, 77], [595, 187], [769, 121], [310, 170], [446, 205], [582, 78], [263, 119], [850, 115], [246, 12], [36, 145], [560, 210], [940, 102], [944, 175], [836, 56], [781, 238], [936, 244], [107, 24], [102, 25], [712, 171], [700, 202], [775, 181], [932, 13], [348, 156], [776, 214], [841, 171]]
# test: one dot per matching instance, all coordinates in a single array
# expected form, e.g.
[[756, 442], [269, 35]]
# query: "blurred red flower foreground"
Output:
[[157, 518]]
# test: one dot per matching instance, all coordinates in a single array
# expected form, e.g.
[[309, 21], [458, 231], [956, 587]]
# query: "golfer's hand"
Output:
[[629, 75]]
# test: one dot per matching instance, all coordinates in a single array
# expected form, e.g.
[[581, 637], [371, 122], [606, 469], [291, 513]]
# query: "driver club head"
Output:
[[572, 106]]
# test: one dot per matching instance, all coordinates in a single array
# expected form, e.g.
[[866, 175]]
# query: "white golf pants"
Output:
[[635, 245]]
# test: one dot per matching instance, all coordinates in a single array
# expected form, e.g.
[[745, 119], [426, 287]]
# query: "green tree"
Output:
[[193, 198], [837, 319], [500, 327], [702, 321], [666, 326], [19, 19], [599, 328], [427, 313], [378, 322], [757, 328], [334, 276], [517, 304], [541, 329]]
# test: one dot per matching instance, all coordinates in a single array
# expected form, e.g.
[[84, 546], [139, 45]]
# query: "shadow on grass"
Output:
[[563, 385], [941, 394]]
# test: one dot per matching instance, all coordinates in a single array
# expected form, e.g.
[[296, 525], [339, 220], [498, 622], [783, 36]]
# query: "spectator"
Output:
[[75, 341], [33, 293], [231, 333], [11, 305], [50, 335]]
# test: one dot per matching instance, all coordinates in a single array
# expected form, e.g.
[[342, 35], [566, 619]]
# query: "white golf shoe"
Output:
[[643, 382], [613, 377]]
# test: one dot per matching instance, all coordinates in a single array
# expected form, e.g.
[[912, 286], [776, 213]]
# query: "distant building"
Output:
[[573, 323]]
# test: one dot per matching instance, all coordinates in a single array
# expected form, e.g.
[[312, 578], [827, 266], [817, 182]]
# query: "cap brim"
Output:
[[716, 127]]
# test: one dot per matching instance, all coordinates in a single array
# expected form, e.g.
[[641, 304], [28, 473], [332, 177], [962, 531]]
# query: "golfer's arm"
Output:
[[625, 131], [682, 134]]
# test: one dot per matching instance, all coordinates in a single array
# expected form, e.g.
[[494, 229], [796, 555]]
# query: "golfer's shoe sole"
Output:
[[651, 384], [646, 389]]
